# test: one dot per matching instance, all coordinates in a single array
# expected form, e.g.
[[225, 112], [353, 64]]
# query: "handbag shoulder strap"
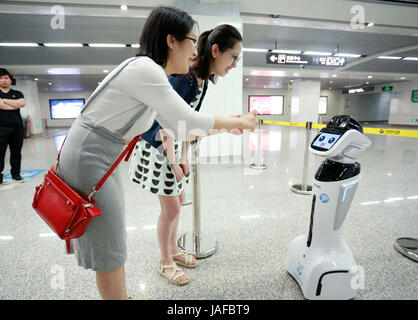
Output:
[[127, 152], [58, 157]]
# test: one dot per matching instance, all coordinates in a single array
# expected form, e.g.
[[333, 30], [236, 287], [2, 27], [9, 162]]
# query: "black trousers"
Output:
[[13, 137]]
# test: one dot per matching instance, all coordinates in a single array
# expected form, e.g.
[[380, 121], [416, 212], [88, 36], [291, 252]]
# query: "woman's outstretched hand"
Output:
[[242, 122], [249, 121]]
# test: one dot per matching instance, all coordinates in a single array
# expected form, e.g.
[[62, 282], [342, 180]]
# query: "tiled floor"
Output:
[[252, 214]]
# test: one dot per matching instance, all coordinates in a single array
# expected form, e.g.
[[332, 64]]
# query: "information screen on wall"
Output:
[[266, 105], [65, 108]]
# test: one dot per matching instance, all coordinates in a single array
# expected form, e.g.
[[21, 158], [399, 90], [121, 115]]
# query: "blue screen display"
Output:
[[326, 140], [65, 108]]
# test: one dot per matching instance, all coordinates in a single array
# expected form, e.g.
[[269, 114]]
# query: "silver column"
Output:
[[196, 243], [259, 165], [187, 192], [304, 188]]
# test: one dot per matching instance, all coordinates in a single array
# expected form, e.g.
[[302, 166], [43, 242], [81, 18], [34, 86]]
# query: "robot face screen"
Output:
[[325, 141]]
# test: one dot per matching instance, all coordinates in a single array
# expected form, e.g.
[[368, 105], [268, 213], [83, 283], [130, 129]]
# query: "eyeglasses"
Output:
[[236, 59], [194, 41]]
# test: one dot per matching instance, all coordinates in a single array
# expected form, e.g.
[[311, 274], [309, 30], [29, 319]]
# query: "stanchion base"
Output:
[[408, 247], [201, 246], [297, 188], [258, 166], [186, 202]]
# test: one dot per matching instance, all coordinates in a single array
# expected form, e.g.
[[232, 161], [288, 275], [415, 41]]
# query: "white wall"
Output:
[[393, 106], [44, 103], [402, 109], [224, 98], [305, 100], [335, 104], [368, 106], [32, 109]]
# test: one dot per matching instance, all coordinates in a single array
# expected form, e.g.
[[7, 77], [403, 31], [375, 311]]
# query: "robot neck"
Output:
[[331, 170], [342, 159]]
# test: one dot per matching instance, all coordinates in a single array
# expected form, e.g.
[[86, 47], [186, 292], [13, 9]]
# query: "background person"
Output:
[[11, 125]]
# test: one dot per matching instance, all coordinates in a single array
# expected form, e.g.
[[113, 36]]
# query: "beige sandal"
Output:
[[172, 277], [188, 258]]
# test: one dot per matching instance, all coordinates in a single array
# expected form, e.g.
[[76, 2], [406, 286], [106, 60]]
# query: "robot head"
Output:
[[342, 140], [346, 122]]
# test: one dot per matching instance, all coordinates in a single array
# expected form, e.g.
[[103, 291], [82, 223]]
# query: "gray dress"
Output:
[[103, 245]]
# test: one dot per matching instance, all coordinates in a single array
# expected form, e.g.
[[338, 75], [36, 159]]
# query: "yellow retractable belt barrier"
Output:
[[392, 132], [379, 131]]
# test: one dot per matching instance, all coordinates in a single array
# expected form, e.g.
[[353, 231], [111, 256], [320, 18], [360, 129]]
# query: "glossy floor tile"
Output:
[[251, 213]]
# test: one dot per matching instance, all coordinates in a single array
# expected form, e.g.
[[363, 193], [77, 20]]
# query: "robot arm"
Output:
[[353, 144]]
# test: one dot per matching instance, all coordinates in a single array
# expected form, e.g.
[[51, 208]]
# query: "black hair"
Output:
[[225, 36], [161, 22], [4, 72]]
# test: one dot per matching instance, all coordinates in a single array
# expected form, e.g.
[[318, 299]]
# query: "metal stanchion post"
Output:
[[187, 200], [196, 243], [187, 197], [259, 157], [304, 188]]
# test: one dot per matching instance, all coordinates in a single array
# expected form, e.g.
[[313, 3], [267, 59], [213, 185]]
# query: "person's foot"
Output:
[[173, 273], [18, 178], [1, 179], [184, 259]]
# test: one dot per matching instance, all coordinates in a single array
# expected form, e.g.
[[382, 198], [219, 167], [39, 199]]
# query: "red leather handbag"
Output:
[[66, 211]]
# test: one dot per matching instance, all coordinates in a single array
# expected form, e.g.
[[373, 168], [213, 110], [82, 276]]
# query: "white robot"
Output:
[[321, 262]]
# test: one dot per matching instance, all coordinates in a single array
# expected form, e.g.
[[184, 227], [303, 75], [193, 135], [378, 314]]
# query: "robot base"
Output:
[[322, 274]]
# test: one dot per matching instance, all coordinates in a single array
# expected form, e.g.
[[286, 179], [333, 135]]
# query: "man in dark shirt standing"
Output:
[[11, 125]]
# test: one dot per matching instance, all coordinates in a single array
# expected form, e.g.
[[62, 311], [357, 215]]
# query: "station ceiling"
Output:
[[76, 69]]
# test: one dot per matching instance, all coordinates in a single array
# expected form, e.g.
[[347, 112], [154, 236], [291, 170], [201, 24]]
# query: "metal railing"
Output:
[[304, 188], [199, 244]]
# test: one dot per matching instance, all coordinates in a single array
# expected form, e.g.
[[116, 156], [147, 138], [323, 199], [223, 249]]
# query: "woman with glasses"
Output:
[[160, 165], [127, 102]]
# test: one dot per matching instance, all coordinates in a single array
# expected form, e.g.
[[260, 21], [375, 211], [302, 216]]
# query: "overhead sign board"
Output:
[[358, 90], [300, 59]]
